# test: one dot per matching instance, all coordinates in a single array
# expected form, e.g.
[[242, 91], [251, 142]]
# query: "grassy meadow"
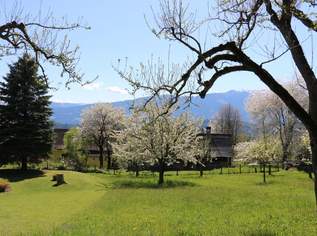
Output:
[[121, 204]]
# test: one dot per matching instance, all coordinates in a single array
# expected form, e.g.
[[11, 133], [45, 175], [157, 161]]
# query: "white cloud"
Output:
[[93, 86], [115, 89]]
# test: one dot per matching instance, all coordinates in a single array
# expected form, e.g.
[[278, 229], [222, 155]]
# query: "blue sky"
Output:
[[119, 30]]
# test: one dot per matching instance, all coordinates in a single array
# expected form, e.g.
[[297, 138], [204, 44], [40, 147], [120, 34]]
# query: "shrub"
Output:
[[61, 167], [4, 186]]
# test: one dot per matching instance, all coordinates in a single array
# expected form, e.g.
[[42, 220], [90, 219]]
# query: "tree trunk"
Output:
[[161, 176], [161, 172], [101, 157], [201, 173], [109, 159], [284, 158], [109, 162], [313, 145], [24, 163], [137, 172]]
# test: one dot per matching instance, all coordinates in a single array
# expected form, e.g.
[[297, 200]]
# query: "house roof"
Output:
[[220, 144]]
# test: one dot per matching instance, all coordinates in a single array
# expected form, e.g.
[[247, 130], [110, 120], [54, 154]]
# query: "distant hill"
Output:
[[68, 114]]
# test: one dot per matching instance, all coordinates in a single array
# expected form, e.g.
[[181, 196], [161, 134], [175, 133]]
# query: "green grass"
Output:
[[33, 205], [100, 204]]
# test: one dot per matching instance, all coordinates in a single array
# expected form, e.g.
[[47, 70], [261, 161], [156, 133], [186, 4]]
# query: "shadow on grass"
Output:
[[19, 175], [267, 184], [126, 184]]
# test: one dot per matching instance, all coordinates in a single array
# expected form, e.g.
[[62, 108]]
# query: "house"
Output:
[[219, 148]]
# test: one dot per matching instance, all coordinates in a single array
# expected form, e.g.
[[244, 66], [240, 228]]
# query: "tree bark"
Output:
[[284, 155], [161, 176], [101, 157], [24, 163], [109, 162], [313, 145], [161, 172], [108, 159]]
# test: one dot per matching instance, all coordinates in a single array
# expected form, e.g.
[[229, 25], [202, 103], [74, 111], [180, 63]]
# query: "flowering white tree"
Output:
[[129, 148], [160, 140], [272, 116], [98, 126], [258, 151]]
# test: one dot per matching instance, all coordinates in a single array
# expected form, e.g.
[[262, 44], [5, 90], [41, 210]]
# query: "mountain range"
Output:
[[68, 114]]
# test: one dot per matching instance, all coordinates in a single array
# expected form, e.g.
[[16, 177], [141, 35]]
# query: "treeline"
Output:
[[148, 136]]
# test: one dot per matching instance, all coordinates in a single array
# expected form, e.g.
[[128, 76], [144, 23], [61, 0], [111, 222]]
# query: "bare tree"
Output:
[[227, 121], [41, 35], [242, 22]]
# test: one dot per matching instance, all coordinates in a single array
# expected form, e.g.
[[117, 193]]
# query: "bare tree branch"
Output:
[[46, 39]]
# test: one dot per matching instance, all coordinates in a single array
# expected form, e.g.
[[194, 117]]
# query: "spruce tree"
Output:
[[25, 127]]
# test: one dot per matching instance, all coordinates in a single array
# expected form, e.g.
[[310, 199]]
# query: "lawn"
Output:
[[103, 204]]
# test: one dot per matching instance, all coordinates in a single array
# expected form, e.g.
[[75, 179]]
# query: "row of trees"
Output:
[[146, 137], [26, 131], [153, 137]]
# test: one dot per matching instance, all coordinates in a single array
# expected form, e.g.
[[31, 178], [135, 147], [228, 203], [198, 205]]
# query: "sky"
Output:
[[119, 30]]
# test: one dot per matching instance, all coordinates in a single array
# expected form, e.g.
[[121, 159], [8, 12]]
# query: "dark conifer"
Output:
[[25, 126]]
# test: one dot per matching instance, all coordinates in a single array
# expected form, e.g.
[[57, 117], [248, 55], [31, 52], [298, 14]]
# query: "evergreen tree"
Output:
[[25, 127]]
